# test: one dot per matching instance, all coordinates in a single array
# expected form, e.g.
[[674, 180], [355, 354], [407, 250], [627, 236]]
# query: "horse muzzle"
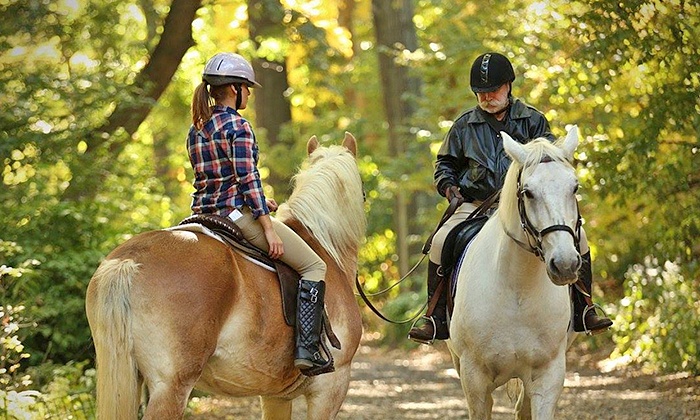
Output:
[[563, 271]]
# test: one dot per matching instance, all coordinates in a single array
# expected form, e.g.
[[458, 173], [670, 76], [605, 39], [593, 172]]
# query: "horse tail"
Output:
[[117, 374]]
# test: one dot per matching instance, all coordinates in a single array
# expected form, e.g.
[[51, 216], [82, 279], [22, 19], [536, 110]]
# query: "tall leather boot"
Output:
[[585, 317], [307, 355], [435, 325]]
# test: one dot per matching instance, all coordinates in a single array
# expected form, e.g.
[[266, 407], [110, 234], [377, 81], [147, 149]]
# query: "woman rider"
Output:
[[224, 155]]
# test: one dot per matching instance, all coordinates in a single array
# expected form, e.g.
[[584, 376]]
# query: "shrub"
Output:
[[658, 318]]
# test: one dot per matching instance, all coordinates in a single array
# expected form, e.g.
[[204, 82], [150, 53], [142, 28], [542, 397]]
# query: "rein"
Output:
[[454, 204], [535, 237]]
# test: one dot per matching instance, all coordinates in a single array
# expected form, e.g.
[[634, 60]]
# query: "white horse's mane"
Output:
[[327, 199], [537, 151]]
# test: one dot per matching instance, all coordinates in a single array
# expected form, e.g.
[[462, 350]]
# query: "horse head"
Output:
[[328, 198], [539, 199]]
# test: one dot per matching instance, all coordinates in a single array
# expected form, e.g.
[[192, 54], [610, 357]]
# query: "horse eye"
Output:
[[576, 188], [527, 194]]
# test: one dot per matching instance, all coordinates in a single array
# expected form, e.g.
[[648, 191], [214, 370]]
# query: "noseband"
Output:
[[535, 237]]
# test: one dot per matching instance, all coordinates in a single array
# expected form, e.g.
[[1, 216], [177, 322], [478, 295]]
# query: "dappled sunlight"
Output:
[[575, 380]]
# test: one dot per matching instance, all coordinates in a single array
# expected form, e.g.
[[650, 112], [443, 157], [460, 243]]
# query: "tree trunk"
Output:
[[174, 42], [272, 109], [393, 23]]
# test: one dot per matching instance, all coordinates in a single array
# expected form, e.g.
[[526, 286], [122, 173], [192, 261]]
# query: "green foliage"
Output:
[[73, 63], [13, 323], [659, 318], [69, 388], [643, 87]]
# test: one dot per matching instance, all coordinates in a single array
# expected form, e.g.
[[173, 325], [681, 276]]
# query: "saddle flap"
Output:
[[289, 285], [457, 241]]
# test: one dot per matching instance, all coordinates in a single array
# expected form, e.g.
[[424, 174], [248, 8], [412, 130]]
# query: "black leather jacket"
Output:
[[472, 154]]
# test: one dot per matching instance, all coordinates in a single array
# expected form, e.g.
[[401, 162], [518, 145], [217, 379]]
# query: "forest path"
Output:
[[422, 384]]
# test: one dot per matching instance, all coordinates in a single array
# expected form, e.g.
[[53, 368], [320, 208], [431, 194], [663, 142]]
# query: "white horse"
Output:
[[512, 309]]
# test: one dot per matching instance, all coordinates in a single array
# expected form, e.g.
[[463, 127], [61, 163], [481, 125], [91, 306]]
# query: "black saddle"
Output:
[[457, 241]]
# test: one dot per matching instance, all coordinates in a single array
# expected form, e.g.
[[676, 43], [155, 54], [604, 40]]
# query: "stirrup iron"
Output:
[[586, 330], [432, 321]]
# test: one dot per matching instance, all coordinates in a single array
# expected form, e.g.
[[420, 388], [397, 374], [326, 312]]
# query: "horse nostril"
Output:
[[553, 268]]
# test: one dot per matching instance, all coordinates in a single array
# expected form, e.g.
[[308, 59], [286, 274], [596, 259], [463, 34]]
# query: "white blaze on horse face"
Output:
[[551, 200]]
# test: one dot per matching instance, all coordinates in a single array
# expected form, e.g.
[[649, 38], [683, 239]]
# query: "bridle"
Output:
[[535, 237]]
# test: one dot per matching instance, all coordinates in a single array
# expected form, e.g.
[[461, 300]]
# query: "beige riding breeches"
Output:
[[297, 253]]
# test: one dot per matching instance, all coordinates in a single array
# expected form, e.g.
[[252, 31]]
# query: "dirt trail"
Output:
[[422, 384]]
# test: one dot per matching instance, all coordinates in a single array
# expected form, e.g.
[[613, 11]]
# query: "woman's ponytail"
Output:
[[201, 105]]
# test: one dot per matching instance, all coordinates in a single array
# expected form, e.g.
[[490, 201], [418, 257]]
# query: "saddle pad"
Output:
[[457, 240], [455, 248]]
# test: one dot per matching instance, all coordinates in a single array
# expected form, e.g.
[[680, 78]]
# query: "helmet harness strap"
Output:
[[239, 95]]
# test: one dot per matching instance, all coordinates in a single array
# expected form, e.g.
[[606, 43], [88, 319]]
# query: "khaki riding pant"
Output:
[[461, 215], [297, 253]]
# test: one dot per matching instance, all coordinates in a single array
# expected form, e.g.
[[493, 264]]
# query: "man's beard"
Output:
[[494, 106]]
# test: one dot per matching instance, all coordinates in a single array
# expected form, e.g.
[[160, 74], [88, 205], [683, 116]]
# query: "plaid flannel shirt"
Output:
[[224, 156]]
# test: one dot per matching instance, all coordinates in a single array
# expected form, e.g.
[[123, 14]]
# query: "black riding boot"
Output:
[[307, 355], [585, 317], [435, 325]]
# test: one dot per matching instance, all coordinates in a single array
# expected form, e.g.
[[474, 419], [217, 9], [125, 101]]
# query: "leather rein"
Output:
[[454, 204]]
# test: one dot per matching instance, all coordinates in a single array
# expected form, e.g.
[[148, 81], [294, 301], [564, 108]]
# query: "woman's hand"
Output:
[[271, 204], [274, 243]]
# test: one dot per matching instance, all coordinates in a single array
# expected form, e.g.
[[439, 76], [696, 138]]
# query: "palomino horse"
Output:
[[512, 309], [174, 310]]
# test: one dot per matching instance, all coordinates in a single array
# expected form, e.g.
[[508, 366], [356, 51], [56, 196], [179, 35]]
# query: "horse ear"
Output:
[[514, 149], [350, 143], [312, 145], [570, 142]]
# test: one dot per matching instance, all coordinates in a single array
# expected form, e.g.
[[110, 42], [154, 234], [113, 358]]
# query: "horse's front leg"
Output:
[[545, 388], [523, 410], [326, 394], [276, 408], [477, 389]]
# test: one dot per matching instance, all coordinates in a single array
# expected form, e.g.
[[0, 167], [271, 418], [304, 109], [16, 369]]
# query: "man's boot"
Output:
[[435, 325], [585, 317], [307, 355]]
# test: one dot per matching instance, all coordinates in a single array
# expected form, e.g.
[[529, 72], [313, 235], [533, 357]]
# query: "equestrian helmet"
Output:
[[490, 71], [227, 68]]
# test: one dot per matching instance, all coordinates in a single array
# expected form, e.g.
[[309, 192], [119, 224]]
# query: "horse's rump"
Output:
[[191, 291]]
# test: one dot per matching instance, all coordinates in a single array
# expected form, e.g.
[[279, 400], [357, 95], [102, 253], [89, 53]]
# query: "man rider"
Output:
[[471, 165]]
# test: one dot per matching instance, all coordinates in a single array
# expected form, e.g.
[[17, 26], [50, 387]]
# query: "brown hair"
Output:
[[205, 96]]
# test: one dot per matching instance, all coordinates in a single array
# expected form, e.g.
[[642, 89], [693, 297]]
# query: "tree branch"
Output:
[[151, 82]]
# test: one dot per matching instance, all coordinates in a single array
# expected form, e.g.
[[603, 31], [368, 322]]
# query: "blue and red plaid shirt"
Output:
[[224, 156]]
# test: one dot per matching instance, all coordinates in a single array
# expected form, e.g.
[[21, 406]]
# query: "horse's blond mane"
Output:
[[537, 150], [327, 199]]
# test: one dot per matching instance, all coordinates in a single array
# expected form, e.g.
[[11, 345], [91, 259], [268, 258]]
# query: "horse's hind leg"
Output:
[[276, 408]]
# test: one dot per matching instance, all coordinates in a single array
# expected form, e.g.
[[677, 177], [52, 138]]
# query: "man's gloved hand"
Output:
[[452, 192]]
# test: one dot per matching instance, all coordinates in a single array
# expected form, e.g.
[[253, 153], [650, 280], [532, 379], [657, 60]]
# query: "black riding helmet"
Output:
[[490, 71]]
